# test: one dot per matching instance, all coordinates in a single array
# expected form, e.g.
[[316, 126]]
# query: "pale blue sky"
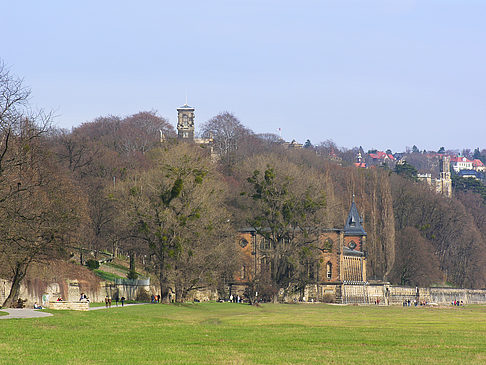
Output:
[[381, 74]]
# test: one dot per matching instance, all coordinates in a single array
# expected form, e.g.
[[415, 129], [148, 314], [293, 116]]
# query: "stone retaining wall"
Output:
[[71, 291], [360, 294]]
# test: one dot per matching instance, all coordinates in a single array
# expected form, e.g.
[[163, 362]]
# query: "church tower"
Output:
[[185, 123]]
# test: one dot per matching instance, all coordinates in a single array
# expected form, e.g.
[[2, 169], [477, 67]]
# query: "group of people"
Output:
[[415, 303], [235, 299], [117, 299], [457, 303], [83, 298], [155, 298]]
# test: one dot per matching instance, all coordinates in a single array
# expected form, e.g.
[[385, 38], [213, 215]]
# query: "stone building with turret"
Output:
[[340, 260], [443, 184]]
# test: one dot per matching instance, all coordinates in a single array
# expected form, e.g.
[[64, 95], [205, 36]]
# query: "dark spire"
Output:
[[353, 226]]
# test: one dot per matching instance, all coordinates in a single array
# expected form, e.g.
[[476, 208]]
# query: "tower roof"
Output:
[[353, 226], [185, 106]]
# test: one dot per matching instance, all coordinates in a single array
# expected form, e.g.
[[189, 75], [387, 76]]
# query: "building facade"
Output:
[[443, 184], [185, 123], [340, 259]]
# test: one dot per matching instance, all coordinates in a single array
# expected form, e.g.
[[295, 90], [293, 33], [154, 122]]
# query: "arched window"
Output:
[[329, 270], [243, 272]]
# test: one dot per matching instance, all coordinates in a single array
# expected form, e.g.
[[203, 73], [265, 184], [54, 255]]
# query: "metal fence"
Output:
[[134, 282]]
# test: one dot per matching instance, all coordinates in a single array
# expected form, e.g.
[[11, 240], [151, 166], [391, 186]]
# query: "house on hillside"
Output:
[[478, 165], [380, 158], [459, 163], [471, 173]]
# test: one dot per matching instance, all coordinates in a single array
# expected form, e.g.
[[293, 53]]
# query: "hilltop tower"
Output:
[[185, 123], [444, 183]]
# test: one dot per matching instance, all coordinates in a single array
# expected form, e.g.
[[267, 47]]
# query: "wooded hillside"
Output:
[[126, 183]]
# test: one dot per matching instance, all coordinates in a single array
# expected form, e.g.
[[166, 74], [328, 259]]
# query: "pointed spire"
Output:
[[353, 225]]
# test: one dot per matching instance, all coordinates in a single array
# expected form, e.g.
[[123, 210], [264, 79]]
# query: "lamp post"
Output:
[[254, 252]]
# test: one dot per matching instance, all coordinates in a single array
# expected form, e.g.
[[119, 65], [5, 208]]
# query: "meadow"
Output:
[[227, 333]]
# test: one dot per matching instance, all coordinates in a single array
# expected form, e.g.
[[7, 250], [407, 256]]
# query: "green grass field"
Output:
[[215, 333]]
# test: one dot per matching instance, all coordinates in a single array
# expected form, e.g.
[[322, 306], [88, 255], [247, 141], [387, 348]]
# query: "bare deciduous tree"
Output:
[[288, 205], [37, 205], [176, 211], [227, 133]]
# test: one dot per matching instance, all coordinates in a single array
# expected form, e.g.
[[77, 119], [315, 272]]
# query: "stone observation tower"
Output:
[[444, 183], [185, 123]]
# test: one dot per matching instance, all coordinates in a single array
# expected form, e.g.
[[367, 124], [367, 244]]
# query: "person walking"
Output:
[[122, 300]]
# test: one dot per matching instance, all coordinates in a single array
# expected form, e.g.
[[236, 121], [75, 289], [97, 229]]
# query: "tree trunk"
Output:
[[164, 293], [13, 296]]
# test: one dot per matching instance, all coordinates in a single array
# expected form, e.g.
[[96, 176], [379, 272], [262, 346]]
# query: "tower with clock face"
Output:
[[185, 123]]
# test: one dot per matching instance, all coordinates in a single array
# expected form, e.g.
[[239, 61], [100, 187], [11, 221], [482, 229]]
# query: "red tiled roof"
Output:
[[459, 159], [477, 163], [380, 155]]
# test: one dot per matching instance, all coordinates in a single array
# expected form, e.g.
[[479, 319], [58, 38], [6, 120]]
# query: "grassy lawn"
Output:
[[215, 333], [3, 313], [113, 303], [107, 275], [116, 266]]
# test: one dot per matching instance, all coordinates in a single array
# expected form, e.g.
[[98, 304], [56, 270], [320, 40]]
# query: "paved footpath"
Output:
[[23, 313], [34, 313]]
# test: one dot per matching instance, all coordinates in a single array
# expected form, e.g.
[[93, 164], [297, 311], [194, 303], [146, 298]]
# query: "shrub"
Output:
[[92, 264], [328, 298], [132, 274]]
